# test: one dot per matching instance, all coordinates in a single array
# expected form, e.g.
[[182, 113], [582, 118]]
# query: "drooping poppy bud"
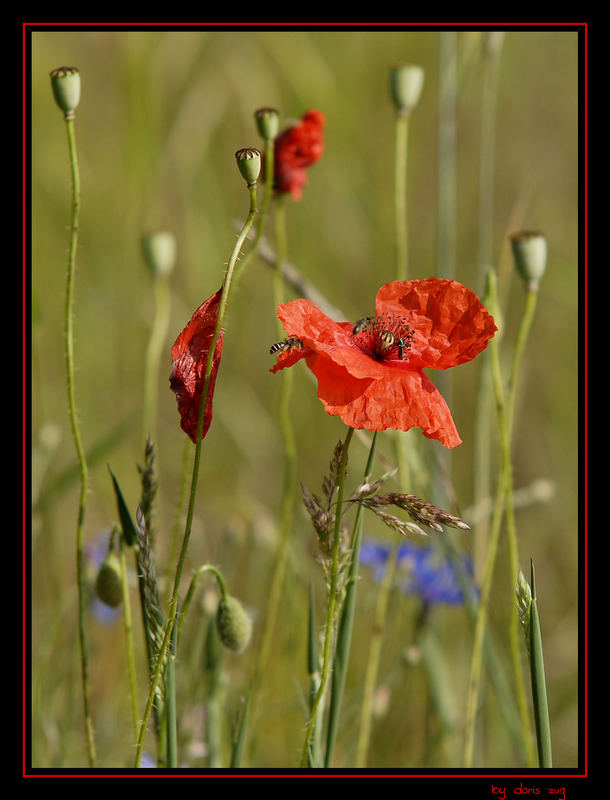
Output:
[[233, 624], [189, 358], [108, 585]]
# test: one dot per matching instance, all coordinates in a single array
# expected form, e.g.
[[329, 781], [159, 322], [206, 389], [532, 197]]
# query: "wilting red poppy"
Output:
[[189, 359], [297, 148], [371, 373]]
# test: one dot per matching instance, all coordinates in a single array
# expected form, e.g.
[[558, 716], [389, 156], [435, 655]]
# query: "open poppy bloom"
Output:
[[371, 373], [297, 148], [189, 359]]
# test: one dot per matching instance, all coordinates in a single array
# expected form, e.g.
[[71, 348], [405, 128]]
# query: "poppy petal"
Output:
[[303, 318], [443, 324], [409, 399], [296, 149], [450, 324], [189, 360]]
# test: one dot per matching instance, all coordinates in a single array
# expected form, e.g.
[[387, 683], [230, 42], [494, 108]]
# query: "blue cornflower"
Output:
[[420, 571]]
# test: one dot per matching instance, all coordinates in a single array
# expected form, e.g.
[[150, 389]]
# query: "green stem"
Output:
[[330, 616], [522, 334], [175, 533], [483, 425], [191, 591], [226, 287], [153, 354], [84, 477], [266, 200], [480, 625], [372, 668], [400, 194], [206, 385], [131, 658], [346, 624], [486, 163], [504, 493], [156, 677], [288, 492], [171, 727], [506, 424]]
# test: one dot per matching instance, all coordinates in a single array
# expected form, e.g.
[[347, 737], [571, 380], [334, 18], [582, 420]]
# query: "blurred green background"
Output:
[[161, 116]]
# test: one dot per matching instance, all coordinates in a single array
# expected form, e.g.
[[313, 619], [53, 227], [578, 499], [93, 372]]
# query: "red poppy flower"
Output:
[[371, 374], [297, 148], [189, 360]]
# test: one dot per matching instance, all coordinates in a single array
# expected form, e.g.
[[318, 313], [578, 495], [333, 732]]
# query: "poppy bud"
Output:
[[267, 122], [159, 251], [65, 82], [529, 253], [406, 82], [108, 585], [233, 624], [249, 163]]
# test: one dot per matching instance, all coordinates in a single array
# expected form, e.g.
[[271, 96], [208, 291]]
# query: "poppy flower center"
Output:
[[387, 336]]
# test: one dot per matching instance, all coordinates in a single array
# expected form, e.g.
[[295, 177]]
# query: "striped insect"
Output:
[[285, 345]]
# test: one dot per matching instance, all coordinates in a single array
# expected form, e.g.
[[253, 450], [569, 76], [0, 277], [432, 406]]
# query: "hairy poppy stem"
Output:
[[330, 616], [267, 193], [226, 287], [80, 451], [289, 482]]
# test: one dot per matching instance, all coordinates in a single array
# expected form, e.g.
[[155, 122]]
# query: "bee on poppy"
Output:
[[285, 345], [372, 333], [437, 324], [360, 325]]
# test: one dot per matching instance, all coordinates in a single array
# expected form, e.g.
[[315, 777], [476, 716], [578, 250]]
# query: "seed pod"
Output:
[[267, 122], [65, 82], [233, 623], [108, 585], [249, 163]]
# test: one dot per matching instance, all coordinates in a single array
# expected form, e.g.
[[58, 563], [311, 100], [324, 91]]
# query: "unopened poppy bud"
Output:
[[159, 251], [65, 82], [267, 122], [249, 163], [233, 624], [529, 253], [108, 586], [406, 83]]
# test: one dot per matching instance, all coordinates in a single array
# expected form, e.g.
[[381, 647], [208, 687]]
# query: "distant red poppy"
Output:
[[189, 359], [371, 373], [297, 148]]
